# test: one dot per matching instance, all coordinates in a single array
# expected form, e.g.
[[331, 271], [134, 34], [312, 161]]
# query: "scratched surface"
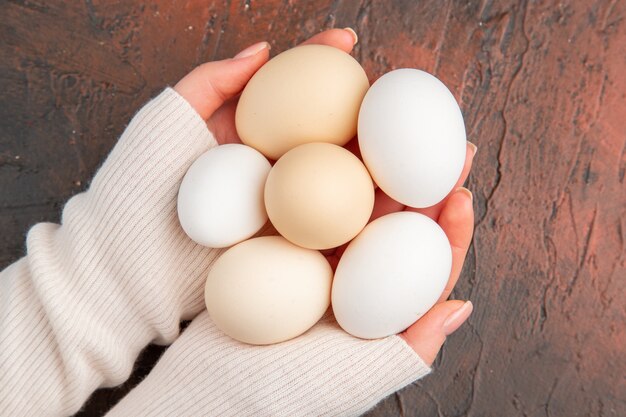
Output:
[[543, 90]]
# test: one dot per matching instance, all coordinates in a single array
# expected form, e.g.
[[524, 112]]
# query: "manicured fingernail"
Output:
[[252, 50], [456, 319], [466, 192], [355, 37], [474, 147]]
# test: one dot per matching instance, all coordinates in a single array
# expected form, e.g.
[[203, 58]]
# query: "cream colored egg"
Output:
[[311, 93], [319, 195], [266, 290]]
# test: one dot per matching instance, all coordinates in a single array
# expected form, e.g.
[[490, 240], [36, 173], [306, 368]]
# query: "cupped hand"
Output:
[[455, 215], [213, 89]]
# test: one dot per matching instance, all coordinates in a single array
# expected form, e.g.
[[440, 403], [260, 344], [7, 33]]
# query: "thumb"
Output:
[[209, 85], [426, 336]]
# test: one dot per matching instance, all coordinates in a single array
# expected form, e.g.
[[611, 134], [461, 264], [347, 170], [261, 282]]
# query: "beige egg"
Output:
[[319, 195], [266, 290], [311, 93]]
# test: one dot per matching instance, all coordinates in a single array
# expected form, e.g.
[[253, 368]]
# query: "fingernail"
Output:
[[252, 50], [456, 319], [355, 37], [474, 147], [466, 192]]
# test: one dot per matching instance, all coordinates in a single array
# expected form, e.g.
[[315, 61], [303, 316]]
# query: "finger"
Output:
[[383, 204], [343, 39], [222, 122], [209, 85], [426, 336], [434, 211], [457, 221]]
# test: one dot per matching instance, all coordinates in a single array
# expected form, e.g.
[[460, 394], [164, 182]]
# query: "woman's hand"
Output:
[[455, 215], [213, 89]]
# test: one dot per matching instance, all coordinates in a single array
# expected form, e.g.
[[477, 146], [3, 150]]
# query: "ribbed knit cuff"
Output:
[[324, 372], [118, 273]]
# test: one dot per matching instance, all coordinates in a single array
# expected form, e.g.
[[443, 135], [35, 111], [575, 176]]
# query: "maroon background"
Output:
[[543, 91]]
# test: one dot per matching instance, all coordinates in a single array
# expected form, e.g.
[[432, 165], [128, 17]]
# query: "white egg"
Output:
[[220, 200], [412, 137], [390, 275]]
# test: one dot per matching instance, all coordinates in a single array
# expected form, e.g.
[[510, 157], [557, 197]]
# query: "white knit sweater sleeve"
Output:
[[324, 372], [119, 273]]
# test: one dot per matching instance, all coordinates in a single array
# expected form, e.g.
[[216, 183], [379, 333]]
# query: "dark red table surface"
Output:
[[542, 86]]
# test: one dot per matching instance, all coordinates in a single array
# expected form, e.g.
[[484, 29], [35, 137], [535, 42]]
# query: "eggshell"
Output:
[[266, 290], [390, 275], [220, 200], [310, 93], [412, 137], [319, 195]]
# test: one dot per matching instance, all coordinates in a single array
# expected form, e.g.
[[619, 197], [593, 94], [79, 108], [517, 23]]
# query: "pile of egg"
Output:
[[299, 109]]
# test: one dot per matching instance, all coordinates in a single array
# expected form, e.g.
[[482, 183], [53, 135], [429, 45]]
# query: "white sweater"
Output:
[[119, 273]]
